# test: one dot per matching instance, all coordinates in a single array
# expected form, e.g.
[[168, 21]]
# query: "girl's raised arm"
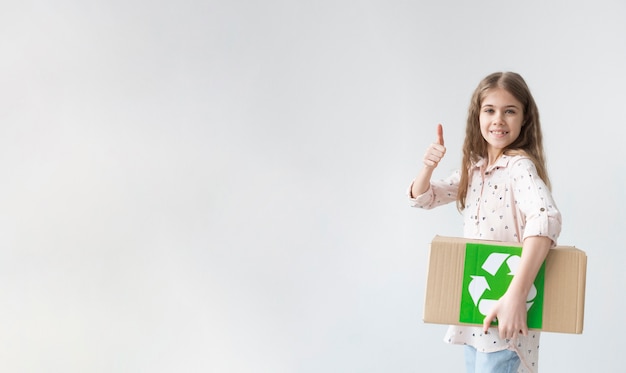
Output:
[[434, 154]]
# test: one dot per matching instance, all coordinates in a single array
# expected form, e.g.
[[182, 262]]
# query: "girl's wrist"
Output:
[[516, 291]]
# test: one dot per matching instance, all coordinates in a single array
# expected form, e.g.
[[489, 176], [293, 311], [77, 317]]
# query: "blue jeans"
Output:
[[505, 361]]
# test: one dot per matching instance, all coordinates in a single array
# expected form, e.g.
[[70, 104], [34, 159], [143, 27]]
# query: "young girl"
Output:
[[502, 191]]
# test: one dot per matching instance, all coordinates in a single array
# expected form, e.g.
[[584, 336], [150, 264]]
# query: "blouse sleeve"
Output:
[[539, 214], [441, 192]]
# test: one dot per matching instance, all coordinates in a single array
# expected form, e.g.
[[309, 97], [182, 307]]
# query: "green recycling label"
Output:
[[487, 275]]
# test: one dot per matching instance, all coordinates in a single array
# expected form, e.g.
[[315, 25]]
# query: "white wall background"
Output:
[[219, 186]]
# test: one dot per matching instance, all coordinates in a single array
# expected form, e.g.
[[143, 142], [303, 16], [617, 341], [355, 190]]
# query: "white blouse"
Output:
[[506, 202]]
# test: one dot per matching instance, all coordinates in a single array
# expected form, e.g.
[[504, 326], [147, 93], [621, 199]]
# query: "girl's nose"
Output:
[[498, 119]]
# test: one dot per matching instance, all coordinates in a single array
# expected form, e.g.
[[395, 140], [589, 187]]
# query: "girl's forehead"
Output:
[[500, 96]]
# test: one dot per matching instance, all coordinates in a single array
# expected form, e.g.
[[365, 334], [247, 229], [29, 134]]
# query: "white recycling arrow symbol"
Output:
[[479, 285]]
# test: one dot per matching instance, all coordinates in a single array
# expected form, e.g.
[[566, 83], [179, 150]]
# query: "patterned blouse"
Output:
[[506, 201]]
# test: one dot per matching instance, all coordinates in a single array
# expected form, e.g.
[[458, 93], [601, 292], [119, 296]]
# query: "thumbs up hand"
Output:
[[436, 150]]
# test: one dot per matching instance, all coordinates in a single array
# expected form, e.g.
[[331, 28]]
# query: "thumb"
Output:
[[439, 134]]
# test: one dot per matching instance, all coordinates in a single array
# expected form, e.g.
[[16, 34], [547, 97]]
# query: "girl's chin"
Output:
[[499, 143]]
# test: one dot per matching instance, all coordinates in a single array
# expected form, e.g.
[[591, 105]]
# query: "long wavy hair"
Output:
[[529, 142]]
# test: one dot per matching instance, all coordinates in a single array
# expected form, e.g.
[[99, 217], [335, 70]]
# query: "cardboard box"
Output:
[[558, 302]]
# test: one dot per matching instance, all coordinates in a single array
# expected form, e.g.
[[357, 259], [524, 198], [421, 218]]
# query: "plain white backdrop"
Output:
[[219, 186]]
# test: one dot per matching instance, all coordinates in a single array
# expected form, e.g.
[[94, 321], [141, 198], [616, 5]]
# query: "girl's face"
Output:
[[501, 117]]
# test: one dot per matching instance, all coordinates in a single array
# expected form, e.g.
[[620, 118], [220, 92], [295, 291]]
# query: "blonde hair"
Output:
[[529, 142]]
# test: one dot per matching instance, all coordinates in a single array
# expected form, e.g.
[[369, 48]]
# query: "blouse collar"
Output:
[[502, 161]]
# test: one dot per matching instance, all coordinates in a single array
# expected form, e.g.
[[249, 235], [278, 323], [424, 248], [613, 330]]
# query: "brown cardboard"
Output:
[[564, 288]]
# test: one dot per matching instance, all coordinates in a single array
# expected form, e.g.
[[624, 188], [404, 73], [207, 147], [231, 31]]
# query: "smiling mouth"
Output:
[[499, 133]]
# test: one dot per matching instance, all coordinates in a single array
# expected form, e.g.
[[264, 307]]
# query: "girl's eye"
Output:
[[489, 110], [510, 111]]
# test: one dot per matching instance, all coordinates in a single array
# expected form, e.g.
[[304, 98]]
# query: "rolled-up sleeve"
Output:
[[539, 214], [439, 193]]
